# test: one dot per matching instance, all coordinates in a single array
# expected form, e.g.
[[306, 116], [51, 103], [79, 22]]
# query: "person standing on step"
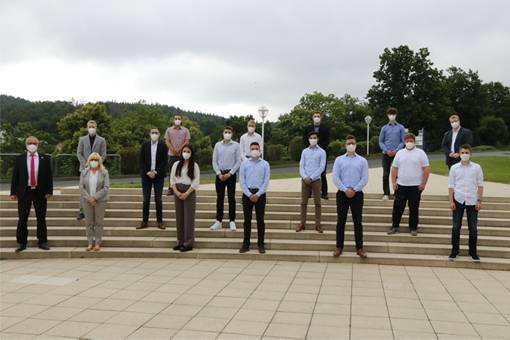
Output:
[[350, 175], [391, 140], [153, 158], [465, 187], [226, 161], [323, 137], [453, 139], [312, 164], [87, 145], [248, 138], [94, 186], [31, 182], [176, 137], [185, 180], [409, 175], [254, 181]]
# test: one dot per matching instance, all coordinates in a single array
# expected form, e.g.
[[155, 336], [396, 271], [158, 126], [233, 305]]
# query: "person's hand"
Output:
[[93, 204], [455, 155], [308, 180], [452, 206], [47, 196], [91, 200], [350, 193], [395, 186], [421, 187], [178, 193], [254, 198], [478, 205], [152, 174], [227, 176], [14, 197]]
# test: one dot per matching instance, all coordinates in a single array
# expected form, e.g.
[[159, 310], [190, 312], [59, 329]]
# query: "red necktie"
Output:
[[32, 172]]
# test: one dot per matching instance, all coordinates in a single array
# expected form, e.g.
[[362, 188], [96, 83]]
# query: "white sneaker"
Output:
[[217, 225], [233, 226], [386, 198]]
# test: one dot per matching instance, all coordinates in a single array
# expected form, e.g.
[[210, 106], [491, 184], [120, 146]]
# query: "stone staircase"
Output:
[[120, 238]]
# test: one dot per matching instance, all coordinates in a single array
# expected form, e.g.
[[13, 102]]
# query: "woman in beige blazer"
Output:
[[94, 185]]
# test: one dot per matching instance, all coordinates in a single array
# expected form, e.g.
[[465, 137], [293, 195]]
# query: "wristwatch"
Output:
[[479, 200]]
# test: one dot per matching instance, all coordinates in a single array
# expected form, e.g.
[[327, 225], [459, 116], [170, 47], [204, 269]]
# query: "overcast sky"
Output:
[[231, 57]]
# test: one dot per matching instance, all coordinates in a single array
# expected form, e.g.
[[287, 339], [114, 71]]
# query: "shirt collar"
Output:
[[180, 126], [317, 147], [36, 154], [347, 155]]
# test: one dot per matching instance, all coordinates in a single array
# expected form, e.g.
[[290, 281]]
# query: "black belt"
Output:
[[253, 190], [224, 172]]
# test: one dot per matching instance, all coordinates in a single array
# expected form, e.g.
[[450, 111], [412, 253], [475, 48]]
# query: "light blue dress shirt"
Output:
[[350, 172], [392, 137], [254, 175], [226, 157], [313, 162]]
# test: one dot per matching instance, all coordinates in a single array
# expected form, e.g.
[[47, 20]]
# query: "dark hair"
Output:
[[465, 146], [228, 128], [254, 143], [191, 164], [350, 137], [392, 111], [410, 135], [316, 111], [154, 127], [177, 114], [313, 133]]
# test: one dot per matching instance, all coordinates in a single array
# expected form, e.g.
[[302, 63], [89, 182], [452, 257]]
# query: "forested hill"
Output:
[[43, 116]]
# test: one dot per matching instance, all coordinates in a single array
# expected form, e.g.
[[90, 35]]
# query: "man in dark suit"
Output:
[[153, 159], [87, 145], [323, 132], [453, 139], [32, 181]]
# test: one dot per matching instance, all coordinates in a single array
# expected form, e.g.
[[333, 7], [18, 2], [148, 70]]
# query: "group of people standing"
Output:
[[32, 181]]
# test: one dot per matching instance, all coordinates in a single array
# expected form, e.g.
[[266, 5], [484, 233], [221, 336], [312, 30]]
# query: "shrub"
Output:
[[375, 142], [295, 148], [274, 152], [362, 148], [337, 148], [130, 163]]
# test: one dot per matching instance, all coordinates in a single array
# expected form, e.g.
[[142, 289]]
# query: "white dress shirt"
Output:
[[245, 142], [93, 182], [154, 150], [465, 180], [184, 179], [454, 138], [29, 166]]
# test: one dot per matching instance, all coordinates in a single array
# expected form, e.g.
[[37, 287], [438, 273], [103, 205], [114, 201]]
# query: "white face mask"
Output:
[[186, 155], [255, 153], [313, 141], [94, 164], [177, 122], [251, 129], [392, 117], [351, 148], [465, 157], [92, 131], [227, 136], [409, 145], [455, 125], [32, 148], [317, 120], [154, 136]]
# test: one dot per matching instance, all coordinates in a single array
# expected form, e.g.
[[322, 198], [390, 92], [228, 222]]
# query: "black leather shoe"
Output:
[[244, 249], [44, 246], [177, 247], [184, 249], [21, 247], [81, 216], [325, 197]]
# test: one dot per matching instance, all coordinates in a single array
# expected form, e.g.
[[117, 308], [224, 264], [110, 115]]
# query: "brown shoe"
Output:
[[301, 228], [361, 253], [170, 192], [337, 252], [161, 226], [318, 228], [97, 248], [89, 248], [142, 225]]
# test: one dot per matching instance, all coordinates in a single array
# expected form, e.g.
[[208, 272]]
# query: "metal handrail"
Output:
[[69, 154], [17, 154]]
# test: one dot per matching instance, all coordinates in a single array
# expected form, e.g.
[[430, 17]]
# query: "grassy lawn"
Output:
[[495, 168], [202, 181]]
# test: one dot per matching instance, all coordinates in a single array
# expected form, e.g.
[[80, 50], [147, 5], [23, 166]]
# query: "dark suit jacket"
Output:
[[463, 137], [19, 180], [161, 159], [323, 136]]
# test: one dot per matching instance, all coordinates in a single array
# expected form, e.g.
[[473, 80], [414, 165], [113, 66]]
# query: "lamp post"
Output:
[[368, 120], [263, 111]]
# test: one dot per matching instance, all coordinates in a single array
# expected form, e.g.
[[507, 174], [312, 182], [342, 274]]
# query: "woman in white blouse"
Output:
[[185, 179], [94, 185]]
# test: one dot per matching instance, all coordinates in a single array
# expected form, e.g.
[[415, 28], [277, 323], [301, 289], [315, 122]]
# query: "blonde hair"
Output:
[[100, 161], [92, 121], [252, 121], [454, 116]]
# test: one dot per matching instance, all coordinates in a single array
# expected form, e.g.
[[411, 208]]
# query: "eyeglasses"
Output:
[[32, 143]]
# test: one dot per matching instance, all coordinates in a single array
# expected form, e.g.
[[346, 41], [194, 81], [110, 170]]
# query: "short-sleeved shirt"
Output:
[[410, 165], [176, 137]]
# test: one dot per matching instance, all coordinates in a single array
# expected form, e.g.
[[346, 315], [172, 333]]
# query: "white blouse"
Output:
[[93, 182], [184, 179]]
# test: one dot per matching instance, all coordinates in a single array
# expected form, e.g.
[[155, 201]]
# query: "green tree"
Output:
[[200, 143], [492, 131], [498, 101], [239, 124], [356, 111]]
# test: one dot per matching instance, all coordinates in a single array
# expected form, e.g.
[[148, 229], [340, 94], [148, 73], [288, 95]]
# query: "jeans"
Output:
[[260, 209], [147, 184], [402, 195], [342, 207], [472, 218], [386, 165], [171, 161], [230, 184]]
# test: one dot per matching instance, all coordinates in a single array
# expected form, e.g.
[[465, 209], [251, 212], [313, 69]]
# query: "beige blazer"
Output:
[[103, 185]]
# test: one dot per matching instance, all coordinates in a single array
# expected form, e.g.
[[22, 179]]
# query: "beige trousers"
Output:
[[94, 221], [315, 186]]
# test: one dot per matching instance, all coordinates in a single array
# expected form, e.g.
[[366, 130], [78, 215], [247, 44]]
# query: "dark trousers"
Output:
[[171, 161], [324, 182], [402, 195], [342, 207], [472, 218], [185, 216], [147, 184], [230, 184], [386, 165], [24, 205], [260, 209]]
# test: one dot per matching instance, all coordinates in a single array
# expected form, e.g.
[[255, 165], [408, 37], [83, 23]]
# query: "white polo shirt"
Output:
[[410, 165], [465, 180]]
